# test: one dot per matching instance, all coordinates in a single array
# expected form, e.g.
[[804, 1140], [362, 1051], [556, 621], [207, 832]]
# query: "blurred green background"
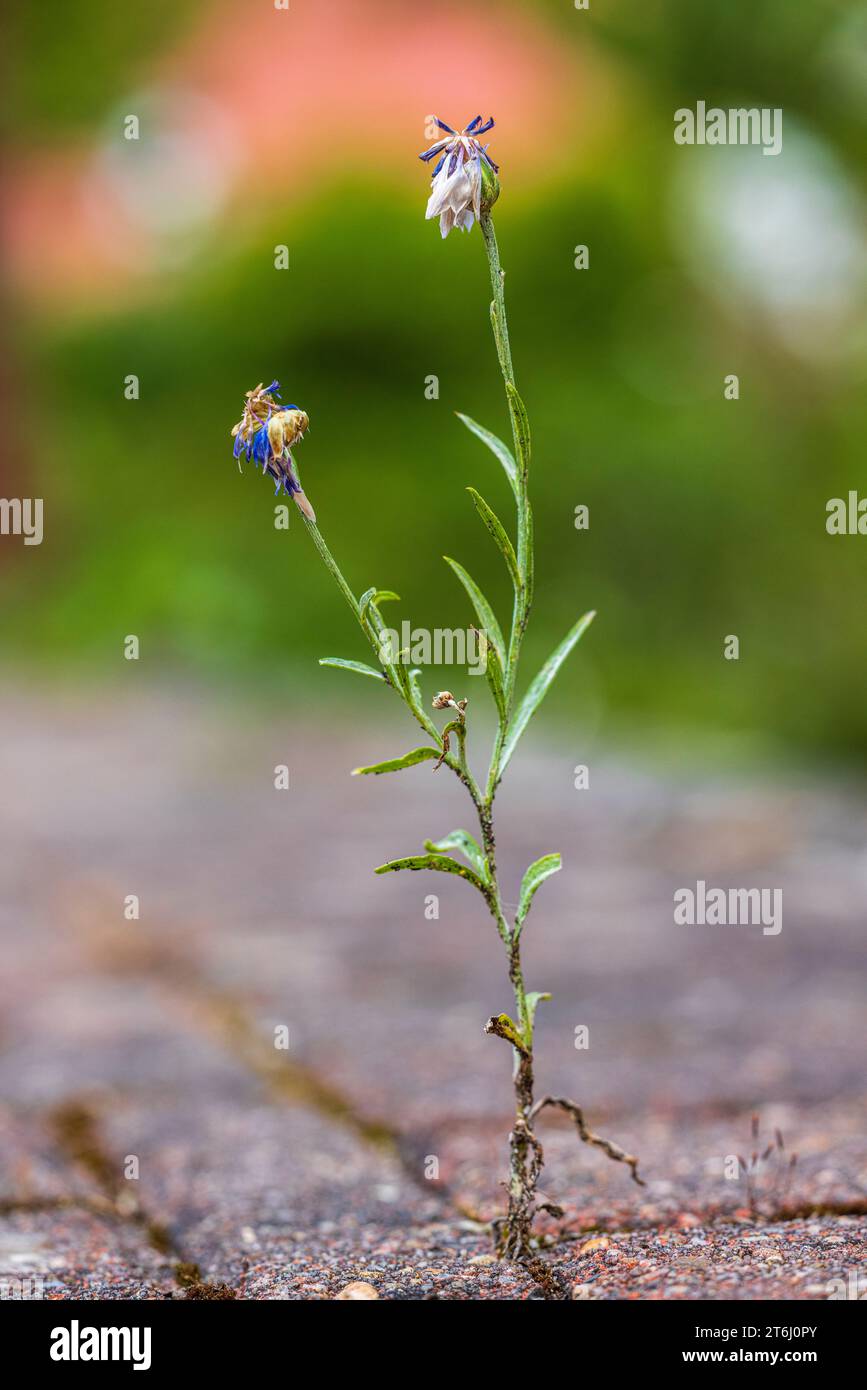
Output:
[[707, 515]]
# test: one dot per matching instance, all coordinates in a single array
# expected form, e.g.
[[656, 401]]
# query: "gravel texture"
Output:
[[155, 1143]]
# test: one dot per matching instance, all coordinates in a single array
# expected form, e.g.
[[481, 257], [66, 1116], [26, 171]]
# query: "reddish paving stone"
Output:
[[75, 1253], [262, 908]]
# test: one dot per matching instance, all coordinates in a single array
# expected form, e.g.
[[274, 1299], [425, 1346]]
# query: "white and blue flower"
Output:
[[464, 182]]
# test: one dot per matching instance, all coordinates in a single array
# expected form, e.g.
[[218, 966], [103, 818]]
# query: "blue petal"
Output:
[[487, 126], [239, 445], [468, 130], [442, 125], [434, 149], [261, 445]]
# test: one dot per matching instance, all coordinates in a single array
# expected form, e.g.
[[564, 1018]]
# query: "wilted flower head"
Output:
[[446, 700], [464, 179], [266, 432]]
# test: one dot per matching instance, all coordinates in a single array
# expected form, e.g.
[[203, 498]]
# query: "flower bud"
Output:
[[490, 188]]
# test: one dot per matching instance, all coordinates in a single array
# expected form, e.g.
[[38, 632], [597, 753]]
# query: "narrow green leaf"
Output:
[[538, 689], [484, 611], [497, 530], [521, 425], [364, 603], [494, 675], [469, 847], [439, 862], [373, 597], [526, 551], [497, 447], [371, 619], [533, 1001], [415, 689], [533, 879], [358, 666], [417, 755]]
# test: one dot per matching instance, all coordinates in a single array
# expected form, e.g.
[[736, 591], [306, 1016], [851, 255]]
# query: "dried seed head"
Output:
[[266, 433], [444, 700]]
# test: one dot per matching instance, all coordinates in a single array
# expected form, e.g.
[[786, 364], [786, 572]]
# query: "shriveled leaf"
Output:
[[441, 863], [417, 755], [484, 611], [469, 847], [539, 687], [358, 666], [497, 447], [533, 879], [498, 531], [521, 425], [505, 1027]]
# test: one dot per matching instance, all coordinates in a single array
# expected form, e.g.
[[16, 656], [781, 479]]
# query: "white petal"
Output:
[[453, 191], [477, 187]]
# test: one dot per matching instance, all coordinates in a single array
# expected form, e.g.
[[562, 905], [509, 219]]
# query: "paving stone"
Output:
[[259, 910]]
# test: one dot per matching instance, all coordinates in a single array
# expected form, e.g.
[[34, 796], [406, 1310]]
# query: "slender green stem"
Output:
[[331, 565], [403, 689], [501, 327], [524, 1149], [523, 1178], [523, 594]]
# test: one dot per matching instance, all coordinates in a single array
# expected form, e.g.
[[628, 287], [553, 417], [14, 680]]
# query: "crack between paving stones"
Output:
[[76, 1128], [226, 1018]]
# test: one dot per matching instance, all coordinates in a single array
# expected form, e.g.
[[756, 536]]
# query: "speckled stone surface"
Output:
[[155, 1143]]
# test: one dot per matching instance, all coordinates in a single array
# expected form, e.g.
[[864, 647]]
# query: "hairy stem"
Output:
[[523, 594], [331, 565], [525, 1151]]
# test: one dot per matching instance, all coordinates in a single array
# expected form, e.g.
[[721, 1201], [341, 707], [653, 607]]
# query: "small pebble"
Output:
[[357, 1290]]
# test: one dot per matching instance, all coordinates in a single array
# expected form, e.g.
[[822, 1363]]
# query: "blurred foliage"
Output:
[[707, 517], [72, 62]]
